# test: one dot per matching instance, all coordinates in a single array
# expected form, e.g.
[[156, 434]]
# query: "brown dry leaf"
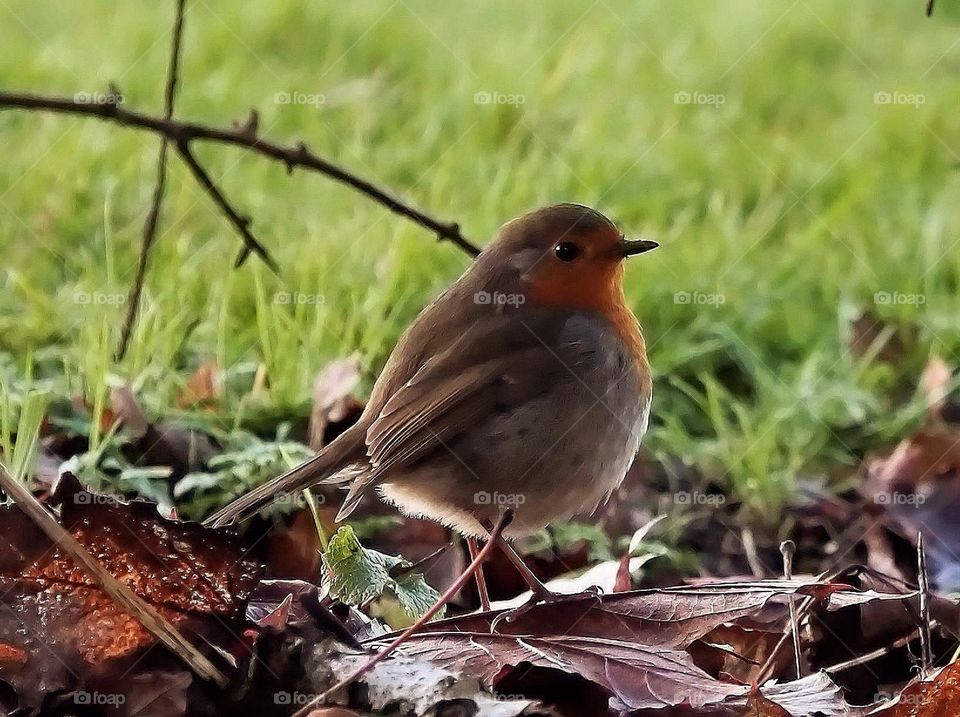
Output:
[[634, 676], [666, 618], [196, 577], [938, 696], [871, 335], [935, 386], [917, 486], [760, 706], [333, 399], [204, 387]]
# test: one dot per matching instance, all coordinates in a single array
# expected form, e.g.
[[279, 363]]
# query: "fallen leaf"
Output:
[[937, 696], [204, 387], [666, 617], [333, 399], [196, 577], [358, 575]]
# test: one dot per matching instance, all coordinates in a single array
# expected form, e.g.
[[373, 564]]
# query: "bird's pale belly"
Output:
[[586, 435]]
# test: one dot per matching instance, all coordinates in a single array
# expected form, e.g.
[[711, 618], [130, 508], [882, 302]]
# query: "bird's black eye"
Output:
[[566, 251]]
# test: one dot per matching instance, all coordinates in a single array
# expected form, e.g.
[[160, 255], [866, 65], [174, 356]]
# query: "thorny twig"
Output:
[[153, 216], [183, 133]]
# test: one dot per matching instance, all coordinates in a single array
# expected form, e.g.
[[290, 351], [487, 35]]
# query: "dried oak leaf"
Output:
[[196, 577]]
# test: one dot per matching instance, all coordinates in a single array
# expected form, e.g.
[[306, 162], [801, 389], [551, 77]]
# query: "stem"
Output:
[[447, 596]]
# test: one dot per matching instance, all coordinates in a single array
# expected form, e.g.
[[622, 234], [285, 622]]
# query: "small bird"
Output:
[[524, 384]]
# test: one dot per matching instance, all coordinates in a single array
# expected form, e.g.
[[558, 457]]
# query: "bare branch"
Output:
[[241, 224], [153, 216], [245, 136]]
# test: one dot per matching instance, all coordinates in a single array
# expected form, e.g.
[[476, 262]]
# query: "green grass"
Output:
[[796, 200]]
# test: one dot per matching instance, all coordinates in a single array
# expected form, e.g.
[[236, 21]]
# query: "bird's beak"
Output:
[[637, 246]]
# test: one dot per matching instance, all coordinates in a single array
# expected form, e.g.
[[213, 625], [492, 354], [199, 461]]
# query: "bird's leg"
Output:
[[539, 590], [478, 576]]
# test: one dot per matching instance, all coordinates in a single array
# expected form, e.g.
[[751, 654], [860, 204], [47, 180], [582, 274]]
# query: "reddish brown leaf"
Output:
[[936, 697], [196, 577], [203, 387]]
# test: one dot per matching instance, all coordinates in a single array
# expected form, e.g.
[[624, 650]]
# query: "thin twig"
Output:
[[926, 656], [153, 216], [871, 656], [787, 549], [482, 591], [119, 592], [241, 224], [474, 565], [239, 136]]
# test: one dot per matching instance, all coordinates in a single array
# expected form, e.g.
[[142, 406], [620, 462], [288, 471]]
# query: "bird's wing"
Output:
[[492, 367]]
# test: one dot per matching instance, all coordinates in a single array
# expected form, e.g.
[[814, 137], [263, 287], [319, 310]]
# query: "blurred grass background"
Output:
[[788, 196]]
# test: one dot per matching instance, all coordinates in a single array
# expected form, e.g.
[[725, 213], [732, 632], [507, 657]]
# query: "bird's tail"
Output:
[[325, 466]]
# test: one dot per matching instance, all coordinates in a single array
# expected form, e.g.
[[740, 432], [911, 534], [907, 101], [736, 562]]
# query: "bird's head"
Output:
[[565, 255]]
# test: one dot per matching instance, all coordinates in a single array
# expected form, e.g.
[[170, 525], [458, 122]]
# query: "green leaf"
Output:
[[358, 575]]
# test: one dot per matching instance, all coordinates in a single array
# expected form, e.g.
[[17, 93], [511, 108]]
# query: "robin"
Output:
[[525, 384]]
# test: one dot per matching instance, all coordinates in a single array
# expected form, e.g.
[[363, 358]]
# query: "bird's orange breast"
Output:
[[599, 290]]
